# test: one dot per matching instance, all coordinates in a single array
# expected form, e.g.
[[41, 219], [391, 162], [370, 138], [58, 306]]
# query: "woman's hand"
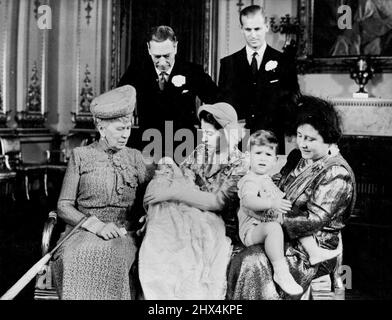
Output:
[[281, 205], [110, 231], [157, 196]]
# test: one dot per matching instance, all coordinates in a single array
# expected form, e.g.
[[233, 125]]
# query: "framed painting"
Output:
[[336, 33]]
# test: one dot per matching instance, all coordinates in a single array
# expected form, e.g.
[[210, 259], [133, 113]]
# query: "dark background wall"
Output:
[[184, 16]]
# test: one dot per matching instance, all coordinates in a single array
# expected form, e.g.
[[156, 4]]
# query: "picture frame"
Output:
[[322, 45]]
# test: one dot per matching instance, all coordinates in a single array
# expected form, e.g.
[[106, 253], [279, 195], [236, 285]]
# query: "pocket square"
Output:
[[273, 81], [184, 91]]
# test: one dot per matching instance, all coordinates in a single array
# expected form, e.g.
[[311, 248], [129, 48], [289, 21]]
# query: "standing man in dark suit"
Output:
[[167, 88], [257, 79]]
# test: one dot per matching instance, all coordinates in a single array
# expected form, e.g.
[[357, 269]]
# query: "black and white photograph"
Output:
[[195, 155]]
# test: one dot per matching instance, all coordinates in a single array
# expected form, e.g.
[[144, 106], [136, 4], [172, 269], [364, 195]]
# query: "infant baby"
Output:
[[167, 168]]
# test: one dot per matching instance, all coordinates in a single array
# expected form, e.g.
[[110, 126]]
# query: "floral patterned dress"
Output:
[[101, 183], [221, 179], [323, 196], [185, 252]]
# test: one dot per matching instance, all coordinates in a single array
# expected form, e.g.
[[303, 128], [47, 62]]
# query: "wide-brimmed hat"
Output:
[[117, 103], [226, 116], [222, 112]]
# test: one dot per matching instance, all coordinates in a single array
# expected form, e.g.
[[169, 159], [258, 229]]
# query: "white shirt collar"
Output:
[[167, 72], [259, 57]]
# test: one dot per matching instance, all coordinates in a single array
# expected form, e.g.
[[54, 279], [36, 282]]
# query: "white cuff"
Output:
[[93, 224]]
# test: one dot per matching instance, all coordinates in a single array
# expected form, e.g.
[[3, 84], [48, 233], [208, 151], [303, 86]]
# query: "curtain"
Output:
[[186, 17]]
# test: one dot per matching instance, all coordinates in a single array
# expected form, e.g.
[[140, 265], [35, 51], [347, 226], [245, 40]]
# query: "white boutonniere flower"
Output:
[[271, 65], [178, 81]]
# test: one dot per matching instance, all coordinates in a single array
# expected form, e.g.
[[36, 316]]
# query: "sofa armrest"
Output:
[[54, 156], [7, 162], [48, 231]]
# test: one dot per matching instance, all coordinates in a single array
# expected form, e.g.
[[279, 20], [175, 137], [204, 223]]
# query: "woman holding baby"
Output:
[[192, 213], [296, 222], [320, 186]]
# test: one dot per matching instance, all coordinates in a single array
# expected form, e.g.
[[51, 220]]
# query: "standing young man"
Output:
[[257, 79]]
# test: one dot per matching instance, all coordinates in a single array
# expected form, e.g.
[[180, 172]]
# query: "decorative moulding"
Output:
[[365, 117]]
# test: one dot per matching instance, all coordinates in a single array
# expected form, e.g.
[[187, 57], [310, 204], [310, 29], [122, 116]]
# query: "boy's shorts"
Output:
[[247, 237]]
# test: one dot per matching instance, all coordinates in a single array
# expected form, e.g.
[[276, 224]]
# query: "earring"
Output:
[[333, 150]]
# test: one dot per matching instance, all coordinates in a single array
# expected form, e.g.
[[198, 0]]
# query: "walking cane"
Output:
[[31, 273]]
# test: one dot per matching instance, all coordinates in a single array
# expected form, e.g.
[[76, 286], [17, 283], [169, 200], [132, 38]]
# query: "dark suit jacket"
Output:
[[259, 100], [173, 103]]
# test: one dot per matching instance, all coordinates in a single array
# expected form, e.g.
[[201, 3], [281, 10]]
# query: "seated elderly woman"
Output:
[[101, 182], [321, 186], [185, 251]]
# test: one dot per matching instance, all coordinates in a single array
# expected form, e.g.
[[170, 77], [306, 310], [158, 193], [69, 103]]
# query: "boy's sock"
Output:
[[284, 279]]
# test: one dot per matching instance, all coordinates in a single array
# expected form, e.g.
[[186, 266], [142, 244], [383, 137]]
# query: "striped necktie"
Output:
[[162, 80]]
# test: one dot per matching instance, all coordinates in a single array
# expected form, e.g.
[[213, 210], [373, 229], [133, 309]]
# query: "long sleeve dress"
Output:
[[323, 195], [186, 251], [101, 183]]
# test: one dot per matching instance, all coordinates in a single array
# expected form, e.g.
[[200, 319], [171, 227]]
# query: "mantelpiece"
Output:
[[368, 117], [367, 147]]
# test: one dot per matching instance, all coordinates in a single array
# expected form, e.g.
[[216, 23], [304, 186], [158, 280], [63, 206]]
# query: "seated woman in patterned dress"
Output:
[[186, 248], [321, 187], [101, 182]]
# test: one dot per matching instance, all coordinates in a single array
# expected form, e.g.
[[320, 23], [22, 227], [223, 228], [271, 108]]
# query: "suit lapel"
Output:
[[175, 71], [151, 76], [179, 69], [241, 63], [266, 57]]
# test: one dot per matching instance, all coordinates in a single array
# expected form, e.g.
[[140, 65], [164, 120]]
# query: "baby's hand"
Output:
[[177, 173], [281, 205]]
